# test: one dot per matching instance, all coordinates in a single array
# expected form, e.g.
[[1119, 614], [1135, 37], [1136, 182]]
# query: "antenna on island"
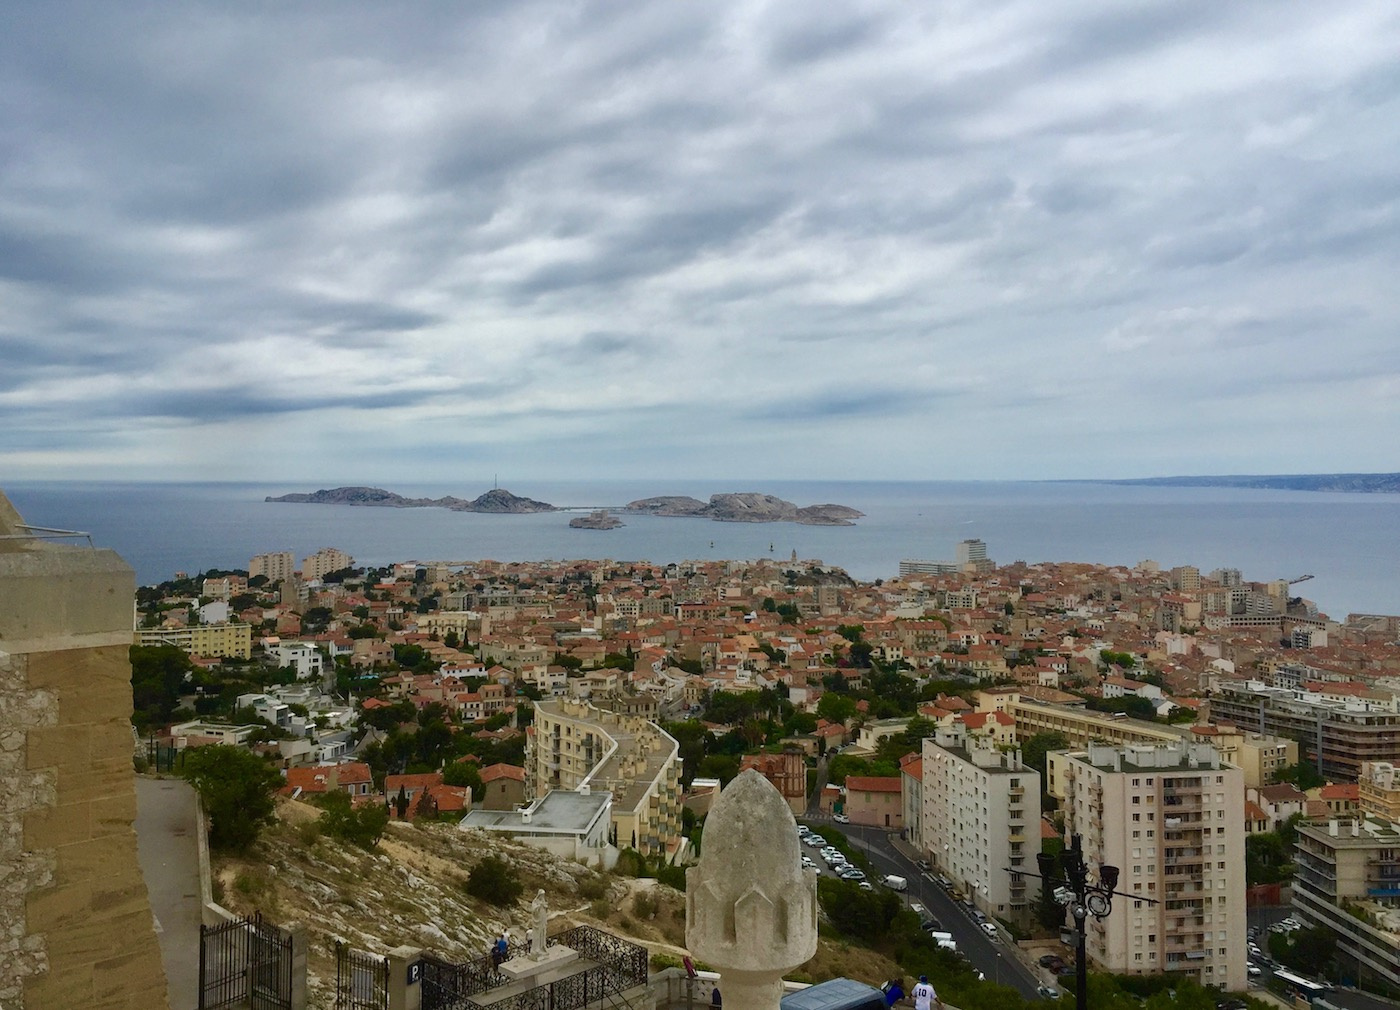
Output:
[[495, 482]]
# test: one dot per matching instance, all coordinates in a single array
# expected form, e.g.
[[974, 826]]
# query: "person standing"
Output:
[[925, 996]]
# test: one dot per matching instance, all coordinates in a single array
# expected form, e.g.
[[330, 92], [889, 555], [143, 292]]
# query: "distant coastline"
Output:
[[1352, 483], [740, 507]]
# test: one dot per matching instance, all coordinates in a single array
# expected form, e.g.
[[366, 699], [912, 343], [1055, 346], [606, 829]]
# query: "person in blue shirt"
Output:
[[894, 991]]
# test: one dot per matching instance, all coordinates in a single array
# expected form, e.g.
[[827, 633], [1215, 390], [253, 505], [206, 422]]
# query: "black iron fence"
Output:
[[361, 979], [245, 963], [448, 985], [617, 966]]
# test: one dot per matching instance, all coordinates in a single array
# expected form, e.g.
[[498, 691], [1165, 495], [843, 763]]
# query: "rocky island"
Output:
[[497, 500], [747, 507], [600, 520]]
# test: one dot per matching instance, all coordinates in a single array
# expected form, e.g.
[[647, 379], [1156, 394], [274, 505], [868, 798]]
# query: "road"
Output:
[[995, 961], [168, 850]]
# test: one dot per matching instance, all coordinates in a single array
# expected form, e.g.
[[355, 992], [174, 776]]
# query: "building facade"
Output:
[[78, 923], [575, 745], [1171, 818], [273, 566], [981, 815], [1348, 882], [1335, 734], [207, 640]]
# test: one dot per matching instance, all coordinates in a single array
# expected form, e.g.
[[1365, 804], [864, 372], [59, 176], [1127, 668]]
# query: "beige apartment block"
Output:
[[275, 565], [78, 921], [327, 559], [1378, 789], [1347, 881], [576, 745], [207, 640], [1258, 756], [1171, 818]]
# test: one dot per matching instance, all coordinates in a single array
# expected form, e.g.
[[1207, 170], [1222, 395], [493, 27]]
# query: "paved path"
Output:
[[167, 845]]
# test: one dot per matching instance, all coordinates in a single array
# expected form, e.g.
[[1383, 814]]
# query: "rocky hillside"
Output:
[[410, 890]]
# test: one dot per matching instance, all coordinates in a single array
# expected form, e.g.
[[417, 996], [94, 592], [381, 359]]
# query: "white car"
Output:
[[1254, 971], [990, 928], [841, 818]]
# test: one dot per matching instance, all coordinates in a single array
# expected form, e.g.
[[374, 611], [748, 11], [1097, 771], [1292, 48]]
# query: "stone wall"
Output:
[[78, 927]]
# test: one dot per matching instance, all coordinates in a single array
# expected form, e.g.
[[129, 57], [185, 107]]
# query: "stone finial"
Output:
[[751, 909]]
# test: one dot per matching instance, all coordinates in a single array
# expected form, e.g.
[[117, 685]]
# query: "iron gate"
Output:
[[361, 980], [245, 962]]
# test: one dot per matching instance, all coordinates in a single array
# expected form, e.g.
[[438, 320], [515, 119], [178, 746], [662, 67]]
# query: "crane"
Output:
[[1301, 578]]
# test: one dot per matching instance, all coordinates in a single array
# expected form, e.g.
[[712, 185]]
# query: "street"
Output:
[[1000, 965]]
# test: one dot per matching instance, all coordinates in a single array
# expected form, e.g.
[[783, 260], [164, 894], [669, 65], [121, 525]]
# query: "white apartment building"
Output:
[[275, 565], [981, 814], [1171, 818], [303, 657]]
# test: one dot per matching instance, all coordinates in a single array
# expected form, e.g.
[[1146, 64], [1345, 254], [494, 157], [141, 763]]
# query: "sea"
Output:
[[1348, 543]]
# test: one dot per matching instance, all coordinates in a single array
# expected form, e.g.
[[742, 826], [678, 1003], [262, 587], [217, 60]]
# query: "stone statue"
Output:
[[539, 925], [751, 909]]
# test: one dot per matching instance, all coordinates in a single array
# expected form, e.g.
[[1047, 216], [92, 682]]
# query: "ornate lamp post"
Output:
[[1071, 888]]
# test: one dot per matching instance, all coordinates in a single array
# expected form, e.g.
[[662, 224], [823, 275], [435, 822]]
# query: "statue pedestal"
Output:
[[542, 969]]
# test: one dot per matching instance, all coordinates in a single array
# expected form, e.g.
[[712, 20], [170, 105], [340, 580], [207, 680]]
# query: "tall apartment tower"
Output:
[[276, 565], [970, 552], [1171, 818], [981, 815], [77, 917], [327, 559], [1186, 577]]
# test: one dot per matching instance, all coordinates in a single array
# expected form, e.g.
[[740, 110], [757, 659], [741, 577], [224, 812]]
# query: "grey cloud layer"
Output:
[[628, 236]]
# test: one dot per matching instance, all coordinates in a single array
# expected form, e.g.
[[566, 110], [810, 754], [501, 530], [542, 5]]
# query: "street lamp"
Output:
[[1073, 890]]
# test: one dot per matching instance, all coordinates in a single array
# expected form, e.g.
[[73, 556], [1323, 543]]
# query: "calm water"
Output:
[[1349, 542]]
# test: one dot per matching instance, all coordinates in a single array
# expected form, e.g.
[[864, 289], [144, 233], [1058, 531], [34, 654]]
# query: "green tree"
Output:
[[465, 773], [1303, 775], [494, 880], [236, 787], [834, 707], [361, 825], [1037, 746], [158, 674]]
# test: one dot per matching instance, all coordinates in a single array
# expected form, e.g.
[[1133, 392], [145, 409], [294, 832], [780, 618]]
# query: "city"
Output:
[[1220, 742]]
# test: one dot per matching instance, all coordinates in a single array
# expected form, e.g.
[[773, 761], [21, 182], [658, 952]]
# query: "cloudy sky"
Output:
[[363, 242]]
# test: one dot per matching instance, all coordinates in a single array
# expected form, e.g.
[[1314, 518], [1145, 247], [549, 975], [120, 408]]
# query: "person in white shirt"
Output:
[[925, 995]]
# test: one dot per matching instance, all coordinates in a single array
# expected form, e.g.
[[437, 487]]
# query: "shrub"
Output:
[[495, 881], [592, 888]]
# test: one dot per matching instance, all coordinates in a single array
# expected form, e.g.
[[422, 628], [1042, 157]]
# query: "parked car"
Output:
[[1051, 961], [1253, 970], [990, 928], [840, 818], [1047, 992], [851, 873], [866, 885], [923, 864], [917, 907]]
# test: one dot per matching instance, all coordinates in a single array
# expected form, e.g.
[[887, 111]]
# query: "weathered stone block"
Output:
[[71, 987], [54, 826], [59, 746], [57, 907], [113, 814]]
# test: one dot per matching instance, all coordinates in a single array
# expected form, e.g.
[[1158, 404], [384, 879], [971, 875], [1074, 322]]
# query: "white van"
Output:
[[895, 883]]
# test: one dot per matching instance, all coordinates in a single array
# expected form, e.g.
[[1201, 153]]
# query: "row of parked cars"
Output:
[[832, 856]]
